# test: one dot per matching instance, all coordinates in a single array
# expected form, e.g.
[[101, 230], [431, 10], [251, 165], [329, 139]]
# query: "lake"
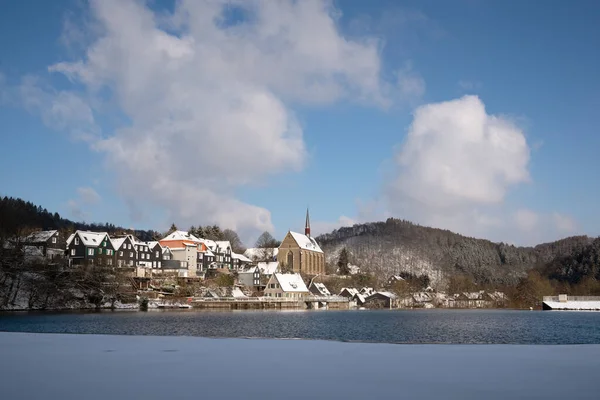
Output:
[[384, 326]]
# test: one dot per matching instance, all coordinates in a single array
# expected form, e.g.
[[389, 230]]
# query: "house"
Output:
[[206, 258], [381, 300], [393, 279], [183, 247], [319, 289], [143, 253], [156, 254], [125, 251], [472, 300], [286, 285], [301, 253], [239, 261], [86, 247], [49, 243], [258, 275], [498, 299], [262, 254], [348, 292], [367, 291]]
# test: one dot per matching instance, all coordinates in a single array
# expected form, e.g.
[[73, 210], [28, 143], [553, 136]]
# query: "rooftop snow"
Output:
[[88, 238], [291, 282], [181, 235], [38, 237], [268, 268], [240, 257], [257, 252], [305, 242]]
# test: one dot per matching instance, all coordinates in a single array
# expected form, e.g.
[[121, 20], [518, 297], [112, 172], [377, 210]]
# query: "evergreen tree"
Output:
[[343, 262]]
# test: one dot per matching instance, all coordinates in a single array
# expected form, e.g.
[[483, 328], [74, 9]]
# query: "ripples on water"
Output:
[[390, 326]]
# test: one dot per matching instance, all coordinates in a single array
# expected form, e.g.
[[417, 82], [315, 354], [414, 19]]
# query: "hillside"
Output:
[[394, 246], [18, 216]]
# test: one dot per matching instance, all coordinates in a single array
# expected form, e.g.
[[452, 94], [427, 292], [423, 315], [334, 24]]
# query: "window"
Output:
[[90, 252], [76, 241], [53, 240], [121, 254], [72, 252], [131, 254], [103, 244], [156, 254]]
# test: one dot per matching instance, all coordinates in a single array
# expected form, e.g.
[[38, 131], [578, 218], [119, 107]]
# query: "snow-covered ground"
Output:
[[57, 366]]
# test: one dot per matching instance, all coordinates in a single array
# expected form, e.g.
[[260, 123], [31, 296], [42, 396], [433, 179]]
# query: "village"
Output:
[[184, 271]]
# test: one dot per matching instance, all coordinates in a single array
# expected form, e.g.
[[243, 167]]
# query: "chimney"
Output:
[[307, 225]]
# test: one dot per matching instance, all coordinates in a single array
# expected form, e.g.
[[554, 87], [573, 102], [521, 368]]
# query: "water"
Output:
[[389, 326]]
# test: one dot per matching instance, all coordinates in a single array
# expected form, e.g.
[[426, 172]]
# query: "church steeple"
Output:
[[307, 225]]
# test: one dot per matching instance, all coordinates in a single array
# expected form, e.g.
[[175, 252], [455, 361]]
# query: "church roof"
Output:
[[306, 242]]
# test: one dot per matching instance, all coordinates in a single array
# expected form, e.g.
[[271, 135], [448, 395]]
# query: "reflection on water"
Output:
[[390, 326]]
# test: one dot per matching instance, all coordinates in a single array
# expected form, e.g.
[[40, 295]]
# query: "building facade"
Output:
[[300, 253]]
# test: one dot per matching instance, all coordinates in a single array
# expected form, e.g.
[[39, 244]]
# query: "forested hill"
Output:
[[18, 216], [395, 246]]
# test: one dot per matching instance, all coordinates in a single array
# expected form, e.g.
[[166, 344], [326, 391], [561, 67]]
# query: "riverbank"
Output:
[[149, 367]]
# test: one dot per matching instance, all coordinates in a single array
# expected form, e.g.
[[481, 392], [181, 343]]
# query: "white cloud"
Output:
[[456, 154], [455, 168], [563, 223], [209, 98], [526, 220], [88, 195], [320, 227]]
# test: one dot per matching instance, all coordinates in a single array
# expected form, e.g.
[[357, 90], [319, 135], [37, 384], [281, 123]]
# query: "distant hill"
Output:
[[394, 246]]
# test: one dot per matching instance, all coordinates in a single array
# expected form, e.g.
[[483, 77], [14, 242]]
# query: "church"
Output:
[[301, 253]]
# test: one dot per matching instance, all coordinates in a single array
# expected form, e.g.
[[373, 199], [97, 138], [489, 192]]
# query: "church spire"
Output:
[[307, 225]]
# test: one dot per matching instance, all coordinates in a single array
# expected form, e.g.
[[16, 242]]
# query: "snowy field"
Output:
[[57, 366]]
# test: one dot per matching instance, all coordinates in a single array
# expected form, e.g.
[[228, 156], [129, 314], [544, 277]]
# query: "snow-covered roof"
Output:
[[396, 278], [268, 268], [258, 252], [351, 291], [32, 251], [291, 282], [321, 288], [38, 237], [240, 257], [389, 295], [88, 238], [474, 295], [306, 242], [211, 244], [367, 291], [152, 244], [181, 235], [237, 292], [223, 244], [421, 297], [117, 242]]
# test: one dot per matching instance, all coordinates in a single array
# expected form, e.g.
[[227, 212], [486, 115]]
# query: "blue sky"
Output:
[[532, 65]]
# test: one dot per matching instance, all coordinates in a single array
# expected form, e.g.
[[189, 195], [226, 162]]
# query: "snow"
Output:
[[573, 305], [256, 252], [291, 282], [237, 293], [100, 367], [181, 235], [305, 242], [321, 288], [88, 238], [268, 268], [39, 237], [240, 257], [118, 242]]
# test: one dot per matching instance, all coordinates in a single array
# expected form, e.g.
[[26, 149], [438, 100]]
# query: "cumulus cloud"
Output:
[[455, 168], [208, 92]]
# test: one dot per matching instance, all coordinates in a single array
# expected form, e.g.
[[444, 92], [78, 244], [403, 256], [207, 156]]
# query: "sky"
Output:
[[472, 115]]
